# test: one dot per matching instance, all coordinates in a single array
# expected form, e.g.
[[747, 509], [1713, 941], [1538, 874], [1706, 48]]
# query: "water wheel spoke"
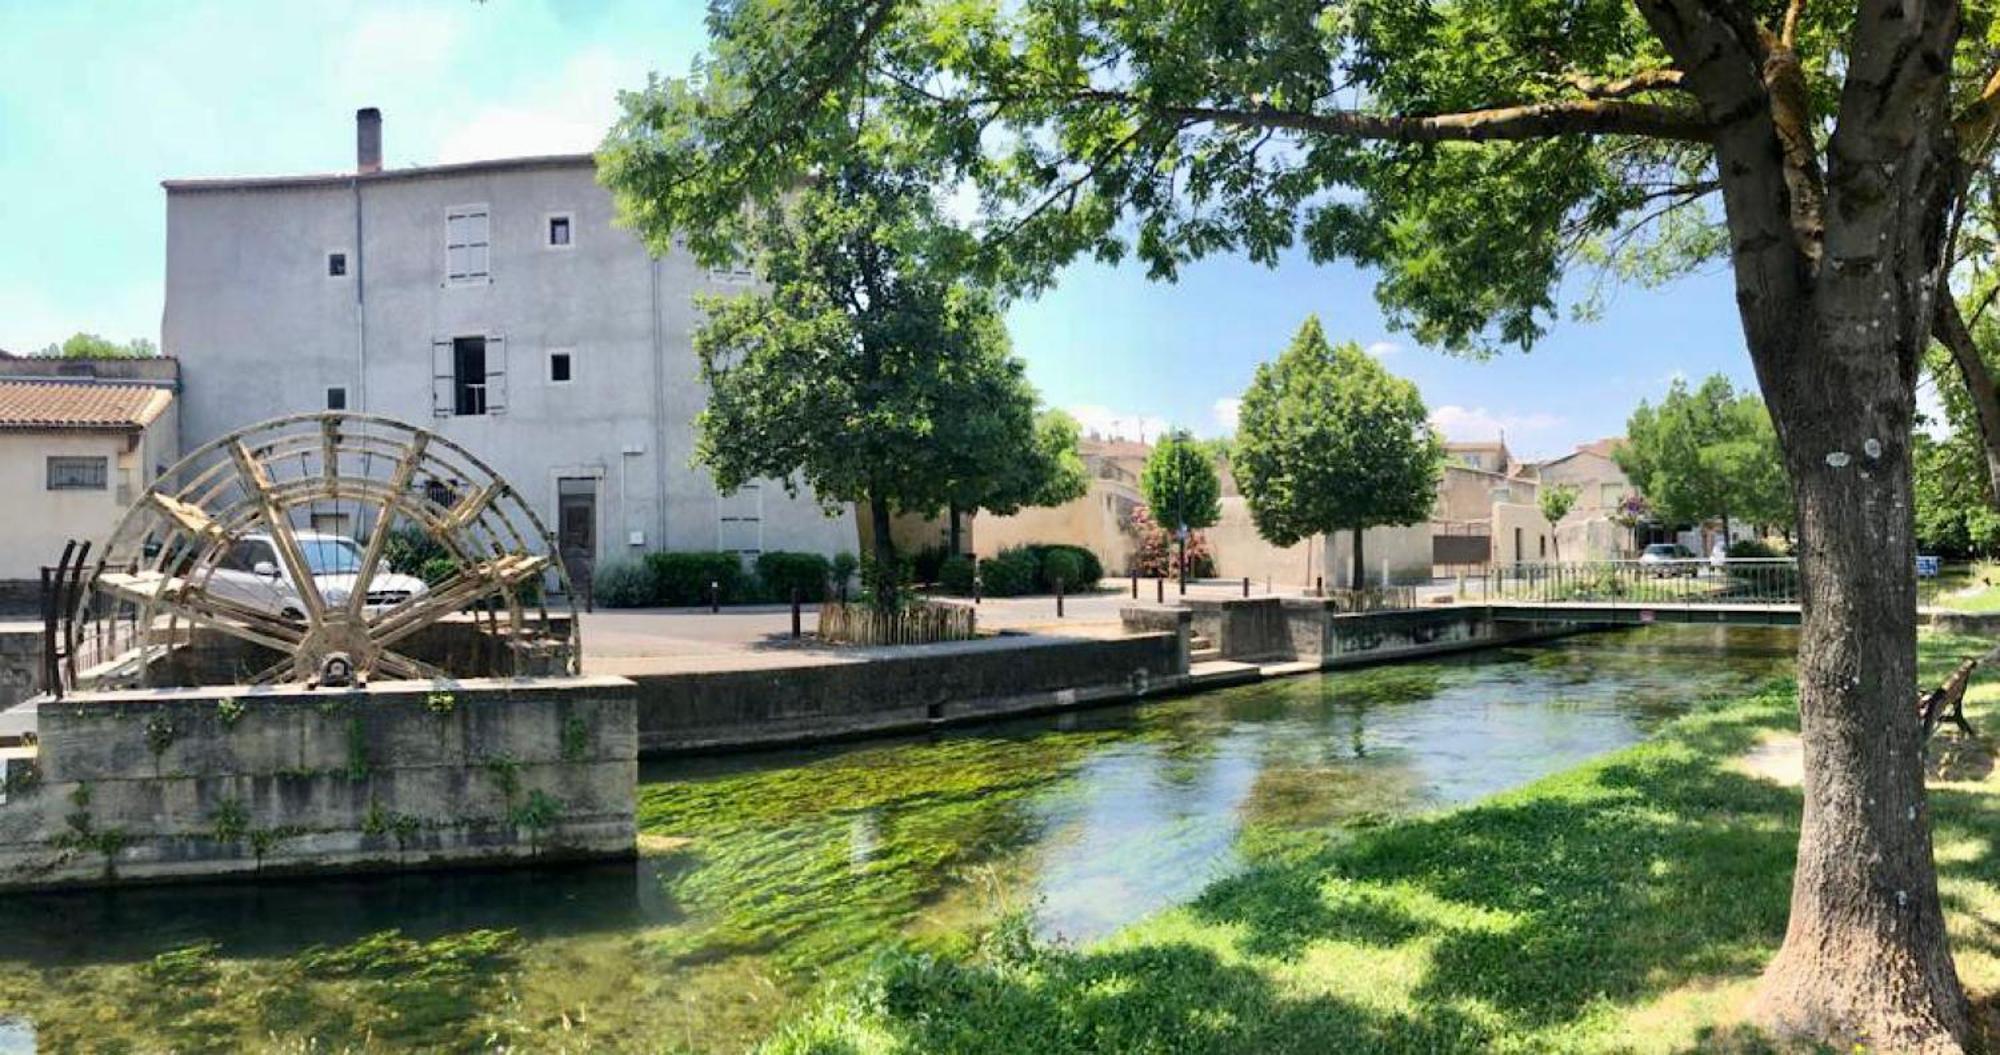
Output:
[[378, 538], [171, 596], [409, 667], [256, 482], [488, 577]]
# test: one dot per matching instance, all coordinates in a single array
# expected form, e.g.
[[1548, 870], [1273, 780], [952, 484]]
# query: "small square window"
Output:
[[336, 398], [559, 367], [559, 231], [68, 473], [336, 265]]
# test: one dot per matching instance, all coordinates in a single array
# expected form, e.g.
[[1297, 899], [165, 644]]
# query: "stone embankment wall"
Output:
[[911, 688], [1299, 629], [174, 784]]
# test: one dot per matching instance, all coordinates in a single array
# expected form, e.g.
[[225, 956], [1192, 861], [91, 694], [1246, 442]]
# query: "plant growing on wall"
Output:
[[1329, 440]]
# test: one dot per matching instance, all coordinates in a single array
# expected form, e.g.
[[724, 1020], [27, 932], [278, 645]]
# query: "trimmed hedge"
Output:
[[1079, 567], [681, 580], [1009, 573], [1017, 570], [623, 584], [780, 572], [955, 575]]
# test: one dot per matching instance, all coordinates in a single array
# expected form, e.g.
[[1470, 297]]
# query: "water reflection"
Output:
[[762, 873]]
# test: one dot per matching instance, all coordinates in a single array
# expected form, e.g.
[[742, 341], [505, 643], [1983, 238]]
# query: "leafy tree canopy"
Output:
[[1180, 484], [866, 370], [1955, 506], [91, 346], [1329, 440], [1707, 452]]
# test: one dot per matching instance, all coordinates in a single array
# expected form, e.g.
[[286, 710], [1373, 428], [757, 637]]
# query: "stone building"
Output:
[[494, 301]]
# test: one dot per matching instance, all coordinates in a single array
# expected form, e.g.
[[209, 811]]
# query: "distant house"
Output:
[[79, 441]]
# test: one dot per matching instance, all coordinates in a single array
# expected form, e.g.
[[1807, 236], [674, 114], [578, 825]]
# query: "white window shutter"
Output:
[[496, 375], [442, 368]]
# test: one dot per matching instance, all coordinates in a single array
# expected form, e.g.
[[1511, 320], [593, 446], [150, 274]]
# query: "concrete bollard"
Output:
[[1059, 597], [1246, 586], [795, 613], [1160, 590], [1135, 585], [714, 597]]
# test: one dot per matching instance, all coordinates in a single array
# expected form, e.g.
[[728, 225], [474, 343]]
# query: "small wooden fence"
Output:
[[918, 623]]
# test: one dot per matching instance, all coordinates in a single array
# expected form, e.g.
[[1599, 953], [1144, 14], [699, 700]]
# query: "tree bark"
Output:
[[1952, 332], [955, 536], [1834, 274], [884, 547], [1360, 578]]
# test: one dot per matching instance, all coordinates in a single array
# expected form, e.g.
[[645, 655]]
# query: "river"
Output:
[[763, 874]]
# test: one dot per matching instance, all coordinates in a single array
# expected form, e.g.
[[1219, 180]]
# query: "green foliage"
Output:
[[575, 738], [506, 773], [845, 564], [1956, 513], [886, 585], [622, 584], [230, 820], [91, 346], [229, 710], [924, 563], [409, 549], [1081, 568], [440, 703], [436, 570], [682, 579], [865, 370], [1330, 441], [1009, 573], [537, 813], [1059, 567], [358, 766], [160, 733], [781, 572], [955, 574], [1556, 500], [1753, 548], [1707, 452], [1180, 484]]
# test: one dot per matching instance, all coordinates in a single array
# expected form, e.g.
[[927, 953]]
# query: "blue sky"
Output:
[[101, 101]]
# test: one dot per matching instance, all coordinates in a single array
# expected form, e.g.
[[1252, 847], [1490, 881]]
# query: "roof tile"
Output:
[[46, 405]]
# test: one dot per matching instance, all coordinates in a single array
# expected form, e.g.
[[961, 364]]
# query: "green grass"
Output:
[[1626, 905]]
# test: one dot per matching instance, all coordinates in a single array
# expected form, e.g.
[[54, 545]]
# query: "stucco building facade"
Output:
[[493, 301]]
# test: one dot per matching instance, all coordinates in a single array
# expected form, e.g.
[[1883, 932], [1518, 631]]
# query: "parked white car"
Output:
[[1669, 558], [251, 574]]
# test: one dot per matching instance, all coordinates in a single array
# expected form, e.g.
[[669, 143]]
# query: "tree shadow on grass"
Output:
[[1618, 881]]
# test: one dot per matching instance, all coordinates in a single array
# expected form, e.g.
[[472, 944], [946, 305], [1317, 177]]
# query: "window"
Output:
[[73, 473], [246, 555], [468, 376], [740, 521], [559, 368], [736, 271], [336, 398], [336, 265], [560, 230], [466, 245]]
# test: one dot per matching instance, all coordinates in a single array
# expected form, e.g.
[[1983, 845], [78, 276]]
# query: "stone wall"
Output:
[[20, 663], [1277, 629], [914, 687], [169, 784]]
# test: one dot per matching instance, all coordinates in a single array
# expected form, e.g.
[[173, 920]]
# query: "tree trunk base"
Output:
[[1852, 994]]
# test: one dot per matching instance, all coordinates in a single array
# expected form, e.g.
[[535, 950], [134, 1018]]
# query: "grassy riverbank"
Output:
[[1622, 906]]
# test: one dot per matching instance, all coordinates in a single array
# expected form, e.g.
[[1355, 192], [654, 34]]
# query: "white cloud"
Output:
[[1227, 413], [1116, 425], [1478, 423], [1383, 349], [569, 114]]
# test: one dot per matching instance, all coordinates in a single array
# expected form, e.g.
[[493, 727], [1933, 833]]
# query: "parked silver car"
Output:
[[251, 574], [1665, 559]]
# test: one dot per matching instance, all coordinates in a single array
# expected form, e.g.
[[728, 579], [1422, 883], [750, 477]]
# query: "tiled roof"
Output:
[[58, 405], [342, 179], [1603, 447]]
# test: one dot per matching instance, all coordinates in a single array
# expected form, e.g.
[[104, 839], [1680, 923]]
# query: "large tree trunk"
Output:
[[1360, 577], [956, 535], [1956, 336], [884, 548], [1834, 270], [1865, 957]]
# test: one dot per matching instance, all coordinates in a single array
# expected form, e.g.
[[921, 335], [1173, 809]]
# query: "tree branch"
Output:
[[1624, 87], [1949, 327], [1531, 121]]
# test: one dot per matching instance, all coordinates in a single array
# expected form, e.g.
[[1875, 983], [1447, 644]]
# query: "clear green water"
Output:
[[762, 874]]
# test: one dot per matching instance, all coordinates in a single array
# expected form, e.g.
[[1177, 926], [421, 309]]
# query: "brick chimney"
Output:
[[368, 140]]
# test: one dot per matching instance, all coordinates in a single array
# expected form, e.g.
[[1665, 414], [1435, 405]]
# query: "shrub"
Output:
[[1156, 550], [1753, 547], [623, 584], [681, 579], [924, 564], [782, 572], [1058, 566], [409, 548], [955, 574], [1079, 567], [436, 570], [845, 564], [1009, 573]]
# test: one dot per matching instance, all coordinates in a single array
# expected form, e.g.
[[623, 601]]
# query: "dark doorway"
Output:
[[576, 529]]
